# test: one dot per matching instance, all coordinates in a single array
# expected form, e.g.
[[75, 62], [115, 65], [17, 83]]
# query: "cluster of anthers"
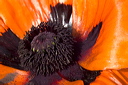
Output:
[[47, 48]]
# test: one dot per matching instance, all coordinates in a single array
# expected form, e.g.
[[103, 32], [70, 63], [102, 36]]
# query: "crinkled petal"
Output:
[[112, 77]]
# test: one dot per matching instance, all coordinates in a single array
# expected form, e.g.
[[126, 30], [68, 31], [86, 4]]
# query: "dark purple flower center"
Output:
[[47, 48]]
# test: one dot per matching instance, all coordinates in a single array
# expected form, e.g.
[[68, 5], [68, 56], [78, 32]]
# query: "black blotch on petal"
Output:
[[8, 49], [8, 78], [82, 46], [76, 72], [61, 14], [90, 76], [92, 37]]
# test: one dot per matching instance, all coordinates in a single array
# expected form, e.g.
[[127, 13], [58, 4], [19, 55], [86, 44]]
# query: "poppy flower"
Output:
[[63, 42]]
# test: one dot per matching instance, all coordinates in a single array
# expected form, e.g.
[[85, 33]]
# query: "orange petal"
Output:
[[20, 77], [84, 15], [3, 27], [112, 77], [110, 49], [65, 82]]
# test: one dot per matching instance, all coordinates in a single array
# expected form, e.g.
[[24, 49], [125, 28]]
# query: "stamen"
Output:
[[47, 48]]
